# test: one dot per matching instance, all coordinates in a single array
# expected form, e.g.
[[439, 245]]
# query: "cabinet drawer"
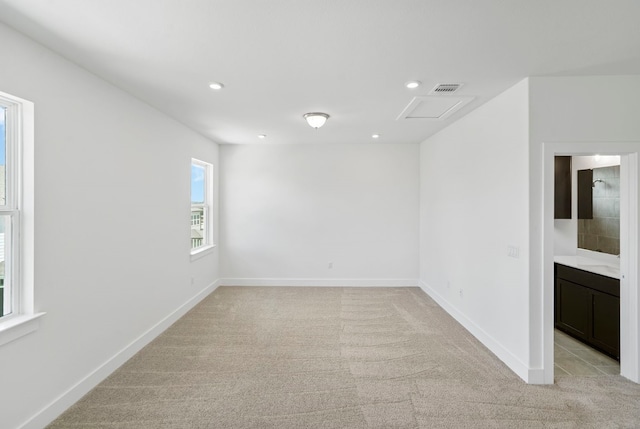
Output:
[[593, 281]]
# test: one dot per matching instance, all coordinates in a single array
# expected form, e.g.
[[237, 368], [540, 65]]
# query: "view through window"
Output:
[[200, 204], [5, 221]]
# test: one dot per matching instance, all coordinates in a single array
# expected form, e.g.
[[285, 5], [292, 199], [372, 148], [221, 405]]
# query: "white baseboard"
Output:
[[532, 376], [319, 282], [537, 376], [71, 396]]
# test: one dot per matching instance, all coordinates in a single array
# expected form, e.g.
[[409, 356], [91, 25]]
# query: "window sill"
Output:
[[202, 252], [18, 326]]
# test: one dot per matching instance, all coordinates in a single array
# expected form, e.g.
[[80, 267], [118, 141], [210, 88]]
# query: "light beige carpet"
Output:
[[336, 358]]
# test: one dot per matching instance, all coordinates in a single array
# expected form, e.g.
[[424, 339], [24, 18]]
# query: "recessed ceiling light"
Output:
[[412, 84], [216, 85], [262, 136], [375, 136]]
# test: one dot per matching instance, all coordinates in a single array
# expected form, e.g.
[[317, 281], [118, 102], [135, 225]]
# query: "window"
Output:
[[17, 317], [6, 301], [9, 211], [201, 195]]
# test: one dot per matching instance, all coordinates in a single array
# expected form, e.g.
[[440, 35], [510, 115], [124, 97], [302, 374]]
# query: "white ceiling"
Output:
[[279, 59]]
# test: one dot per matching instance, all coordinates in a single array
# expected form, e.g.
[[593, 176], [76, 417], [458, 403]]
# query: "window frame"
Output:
[[11, 205], [19, 205], [206, 207]]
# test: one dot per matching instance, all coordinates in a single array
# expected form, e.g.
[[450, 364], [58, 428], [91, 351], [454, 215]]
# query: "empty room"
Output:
[[327, 214]]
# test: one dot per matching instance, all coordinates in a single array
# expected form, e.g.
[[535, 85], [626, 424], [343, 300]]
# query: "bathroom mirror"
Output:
[[602, 232]]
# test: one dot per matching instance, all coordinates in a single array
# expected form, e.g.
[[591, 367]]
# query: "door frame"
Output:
[[629, 240]]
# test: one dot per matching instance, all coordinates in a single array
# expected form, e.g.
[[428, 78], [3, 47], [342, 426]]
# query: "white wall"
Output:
[[473, 206], [112, 230], [289, 210], [589, 114], [566, 230], [490, 166]]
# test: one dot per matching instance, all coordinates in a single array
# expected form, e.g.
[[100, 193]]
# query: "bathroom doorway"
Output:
[[629, 303], [587, 265]]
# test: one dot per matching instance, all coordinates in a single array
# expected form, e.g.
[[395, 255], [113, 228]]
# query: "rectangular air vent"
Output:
[[445, 88]]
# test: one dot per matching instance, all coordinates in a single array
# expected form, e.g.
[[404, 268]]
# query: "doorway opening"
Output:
[[628, 255], [587, 265]]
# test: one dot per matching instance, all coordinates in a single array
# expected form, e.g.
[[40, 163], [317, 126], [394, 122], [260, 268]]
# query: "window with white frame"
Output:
[[16, 217], [201, 219], [6, 295]]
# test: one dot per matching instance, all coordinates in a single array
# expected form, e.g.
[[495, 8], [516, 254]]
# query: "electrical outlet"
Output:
[[460, 293], [330, 265]]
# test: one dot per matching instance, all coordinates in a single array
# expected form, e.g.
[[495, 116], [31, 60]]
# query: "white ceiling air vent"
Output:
[[433, 107], [445, 88]]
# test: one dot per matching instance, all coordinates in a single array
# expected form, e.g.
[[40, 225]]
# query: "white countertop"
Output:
[[609, 267]]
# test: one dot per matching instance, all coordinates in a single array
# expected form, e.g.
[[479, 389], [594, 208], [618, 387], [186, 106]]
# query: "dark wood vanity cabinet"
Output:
[[587, 307]]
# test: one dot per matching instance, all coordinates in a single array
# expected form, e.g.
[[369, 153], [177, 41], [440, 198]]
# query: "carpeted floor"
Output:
[[336, 358]]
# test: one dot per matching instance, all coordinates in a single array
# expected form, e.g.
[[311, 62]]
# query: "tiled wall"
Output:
[[602, 233]]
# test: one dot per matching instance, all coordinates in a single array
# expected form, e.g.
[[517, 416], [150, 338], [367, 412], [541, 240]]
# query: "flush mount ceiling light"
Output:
[[262, 136], [216, 86], [375, 136], [412, 84], [316, 119]]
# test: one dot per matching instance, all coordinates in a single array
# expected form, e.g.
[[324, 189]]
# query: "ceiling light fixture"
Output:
[[216, 86], [412, 84], [262, 136], [375, 136], [316, 119]]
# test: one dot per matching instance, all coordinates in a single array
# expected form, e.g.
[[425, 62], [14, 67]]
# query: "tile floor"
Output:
[[575, 358]]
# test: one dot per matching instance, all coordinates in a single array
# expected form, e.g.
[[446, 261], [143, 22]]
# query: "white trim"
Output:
[[629, 304], [72, 395], [529, 375], [319, 282], [201, 252], [629, 264], [19, 326]]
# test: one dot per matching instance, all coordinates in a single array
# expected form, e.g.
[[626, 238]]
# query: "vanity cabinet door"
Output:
[[604, 331], [572, 308]]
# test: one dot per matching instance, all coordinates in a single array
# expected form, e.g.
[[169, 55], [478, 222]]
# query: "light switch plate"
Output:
[[513, 251]]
